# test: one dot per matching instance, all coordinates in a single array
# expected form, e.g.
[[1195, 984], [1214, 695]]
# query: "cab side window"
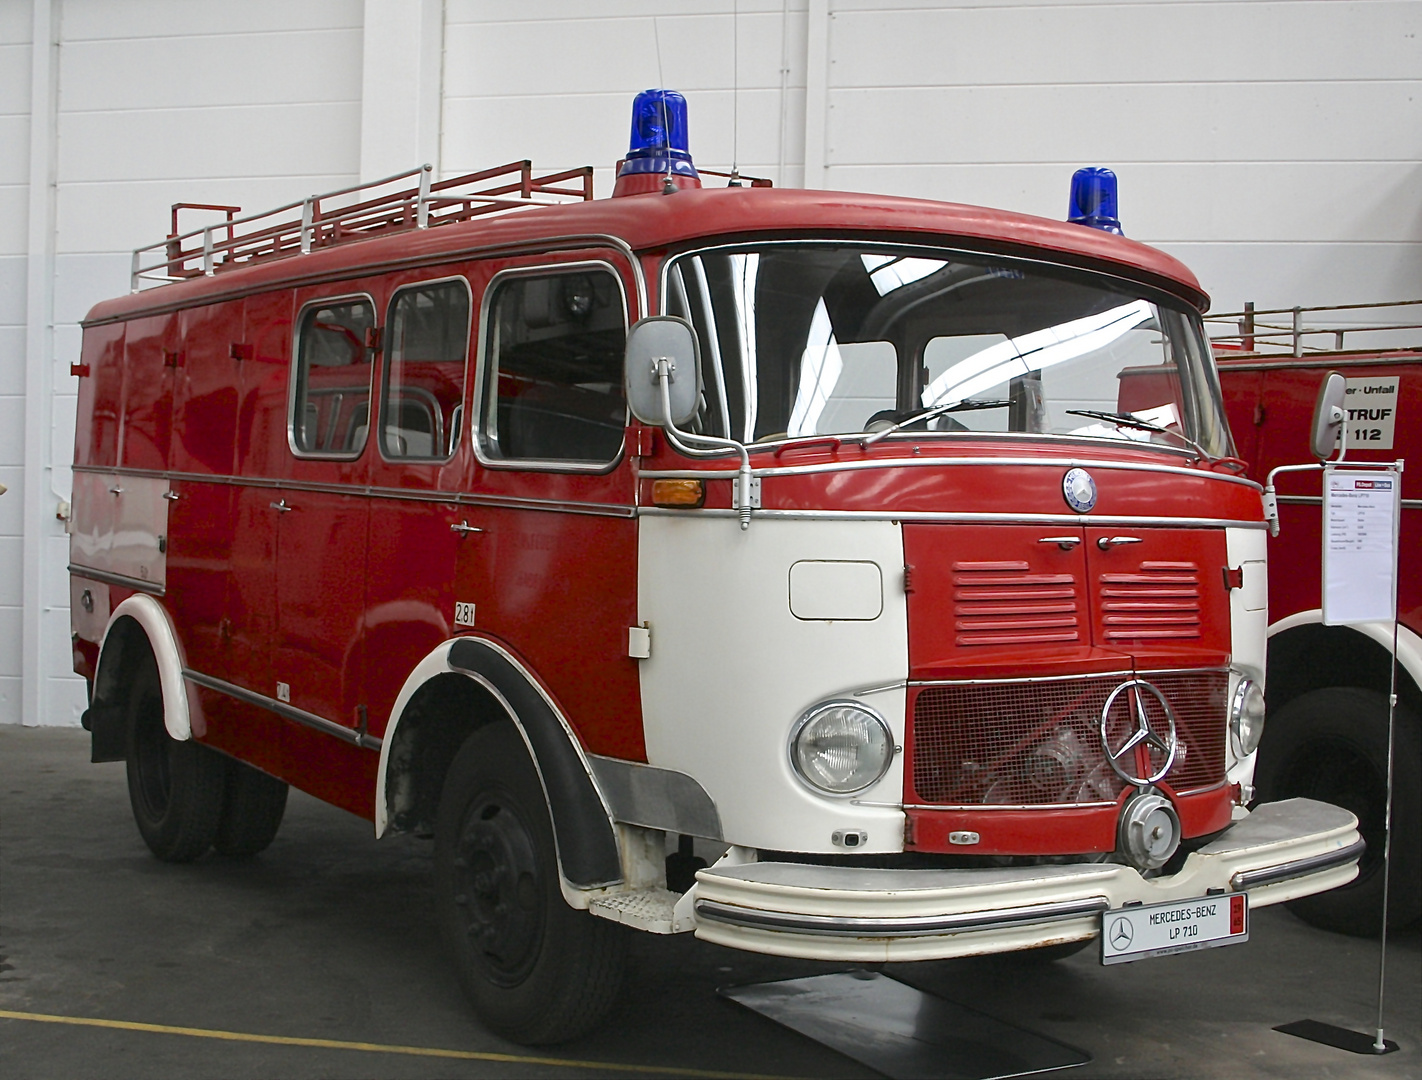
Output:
[[331, 402], [427, 341], [553, 389]]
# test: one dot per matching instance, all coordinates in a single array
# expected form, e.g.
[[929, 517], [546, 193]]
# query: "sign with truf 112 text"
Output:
[[1360, 518]]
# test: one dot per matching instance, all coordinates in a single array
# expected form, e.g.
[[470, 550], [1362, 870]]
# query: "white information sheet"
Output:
[[1360, 514]]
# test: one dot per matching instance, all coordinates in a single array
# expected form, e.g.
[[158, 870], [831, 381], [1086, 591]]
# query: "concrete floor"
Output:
[[328, 936]]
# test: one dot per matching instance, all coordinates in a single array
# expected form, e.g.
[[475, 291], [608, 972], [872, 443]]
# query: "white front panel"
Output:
[[1248, 606], [91, 529], [821, 589], [732, 668]]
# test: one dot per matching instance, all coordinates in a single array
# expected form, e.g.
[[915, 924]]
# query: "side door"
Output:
[[553, 574], [321, 509], [417, 471]]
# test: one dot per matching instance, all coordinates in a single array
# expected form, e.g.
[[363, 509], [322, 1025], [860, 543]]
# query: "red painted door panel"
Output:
[[100, 397], [152, 352]]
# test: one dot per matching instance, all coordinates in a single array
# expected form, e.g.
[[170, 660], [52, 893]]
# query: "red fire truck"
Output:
[[1328, 685], [882, 600]]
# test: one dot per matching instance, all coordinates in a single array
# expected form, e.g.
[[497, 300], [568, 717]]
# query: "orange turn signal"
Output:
[[678, 493]]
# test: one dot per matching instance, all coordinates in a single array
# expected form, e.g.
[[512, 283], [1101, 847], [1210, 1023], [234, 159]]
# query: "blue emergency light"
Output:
[[1093, 200], [658, 143]]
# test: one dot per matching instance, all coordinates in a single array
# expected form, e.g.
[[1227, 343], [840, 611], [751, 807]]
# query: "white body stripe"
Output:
[[732, 669]]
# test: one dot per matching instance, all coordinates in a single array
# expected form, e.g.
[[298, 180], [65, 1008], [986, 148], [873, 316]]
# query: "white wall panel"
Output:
[[261, 140], [14, 70], [1377, 121], [143, 19], [12, 367], [10, 642], [1282, 275], [12, 291], [12, 565], [551, 11], [1153, 42], [196, 72], [81, 281], [12, 435], [9, 691]]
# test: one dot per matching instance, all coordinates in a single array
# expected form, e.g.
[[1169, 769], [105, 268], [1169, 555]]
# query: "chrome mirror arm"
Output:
[[679, 440]]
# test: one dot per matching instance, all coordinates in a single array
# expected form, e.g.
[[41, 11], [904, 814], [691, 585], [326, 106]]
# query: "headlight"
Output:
[[1246, 717], [841, 747]]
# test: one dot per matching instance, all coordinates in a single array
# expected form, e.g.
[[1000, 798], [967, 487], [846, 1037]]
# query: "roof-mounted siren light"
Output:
[[658, 156], [1093, 200]]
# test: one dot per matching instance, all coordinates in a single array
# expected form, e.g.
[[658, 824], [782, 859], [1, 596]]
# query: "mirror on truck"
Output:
[[1328, 416], [662, 343]]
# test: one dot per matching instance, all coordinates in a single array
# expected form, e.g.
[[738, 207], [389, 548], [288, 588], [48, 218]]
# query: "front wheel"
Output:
[[1331, 745], [535, 970]]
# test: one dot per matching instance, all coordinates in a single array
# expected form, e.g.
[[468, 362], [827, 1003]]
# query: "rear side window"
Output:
[[427, 342], [331, 399], [553, 390]]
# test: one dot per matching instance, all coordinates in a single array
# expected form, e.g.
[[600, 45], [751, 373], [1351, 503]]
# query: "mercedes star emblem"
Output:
[[1122, 759], [1079, 490], [1121, 934]]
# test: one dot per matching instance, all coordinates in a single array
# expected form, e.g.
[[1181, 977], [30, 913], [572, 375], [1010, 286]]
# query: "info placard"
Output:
[[1360, 517]]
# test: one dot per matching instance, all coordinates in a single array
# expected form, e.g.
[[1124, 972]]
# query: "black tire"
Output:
[[1331, 745], [175, 788], [535, 970], [252, 807]]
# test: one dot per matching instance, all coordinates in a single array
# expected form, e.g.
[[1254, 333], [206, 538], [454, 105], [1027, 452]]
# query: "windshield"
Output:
[[802, 339]]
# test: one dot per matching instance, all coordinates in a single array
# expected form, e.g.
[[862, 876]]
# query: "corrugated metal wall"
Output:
[[1274, 146]]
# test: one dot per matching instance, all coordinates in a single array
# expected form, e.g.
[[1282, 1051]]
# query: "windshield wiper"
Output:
[[1124, 419], [966, 405]]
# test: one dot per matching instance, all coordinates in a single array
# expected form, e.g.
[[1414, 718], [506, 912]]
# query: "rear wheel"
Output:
[[535, 970], [252, 808], [1331, 745], [175, 787]]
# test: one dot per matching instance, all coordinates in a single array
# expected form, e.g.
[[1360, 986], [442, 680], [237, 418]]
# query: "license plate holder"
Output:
[[1142, 931]]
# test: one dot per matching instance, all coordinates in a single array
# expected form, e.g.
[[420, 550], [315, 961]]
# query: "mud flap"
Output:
[[108, 732]]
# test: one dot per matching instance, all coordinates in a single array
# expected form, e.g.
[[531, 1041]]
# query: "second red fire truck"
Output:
[[809, 534]]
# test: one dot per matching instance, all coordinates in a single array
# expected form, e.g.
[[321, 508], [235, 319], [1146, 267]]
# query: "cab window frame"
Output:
[[386, 363], [486, 392], [296, 380]]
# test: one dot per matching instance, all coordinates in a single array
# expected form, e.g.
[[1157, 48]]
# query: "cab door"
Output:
[[553, 572]]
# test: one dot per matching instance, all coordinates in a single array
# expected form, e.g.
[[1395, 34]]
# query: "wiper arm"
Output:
[[1124, 419], [966, 405]]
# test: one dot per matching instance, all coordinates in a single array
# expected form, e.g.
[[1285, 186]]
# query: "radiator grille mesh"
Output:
[[1038, 743]]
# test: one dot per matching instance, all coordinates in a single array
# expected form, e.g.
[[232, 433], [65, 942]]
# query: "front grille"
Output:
[[1003, 603], [1161, 601], [1038, 743]]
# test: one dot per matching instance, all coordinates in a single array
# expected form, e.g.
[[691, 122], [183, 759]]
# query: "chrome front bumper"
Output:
[[1279, 852]]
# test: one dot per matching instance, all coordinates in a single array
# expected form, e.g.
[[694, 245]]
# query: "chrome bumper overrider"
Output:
[[1280, 852]]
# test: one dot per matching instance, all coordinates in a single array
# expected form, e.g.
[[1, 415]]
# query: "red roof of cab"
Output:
[[651, 222]]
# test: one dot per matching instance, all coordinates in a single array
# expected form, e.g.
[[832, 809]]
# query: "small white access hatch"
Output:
[[836, 590]]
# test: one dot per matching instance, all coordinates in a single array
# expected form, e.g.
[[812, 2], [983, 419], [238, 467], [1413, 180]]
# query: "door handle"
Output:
[[1106, 543], [1066, 543], [171, 496], [115, 491], [465, 527], [281, 508]]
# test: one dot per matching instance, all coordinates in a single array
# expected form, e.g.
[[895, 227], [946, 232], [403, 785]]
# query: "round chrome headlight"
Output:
[[1246, 717], [840, 747]]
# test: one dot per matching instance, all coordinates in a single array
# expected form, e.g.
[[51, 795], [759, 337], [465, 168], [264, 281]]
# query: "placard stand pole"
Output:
[[1380, 1043]]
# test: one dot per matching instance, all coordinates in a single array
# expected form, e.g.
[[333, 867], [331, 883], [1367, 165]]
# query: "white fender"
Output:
[[1409, 645], [182, 711], [436, 663]]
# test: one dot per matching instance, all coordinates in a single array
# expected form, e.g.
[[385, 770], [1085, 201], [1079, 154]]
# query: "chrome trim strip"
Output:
[[447, 498], [1052, 520], [904, 926], [898, 684], [152, 588], [1250, 879], [1317, 500], [1127, 673], [900, 463], [281, 708]]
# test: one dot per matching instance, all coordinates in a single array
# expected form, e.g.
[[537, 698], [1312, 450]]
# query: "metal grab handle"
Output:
[[465, 527], [281, 508], [1106, 543], [171, 496], [115, 491], [1066, 543]]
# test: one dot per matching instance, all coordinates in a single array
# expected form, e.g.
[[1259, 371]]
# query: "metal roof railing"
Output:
[[1291, 338], [348, 214]]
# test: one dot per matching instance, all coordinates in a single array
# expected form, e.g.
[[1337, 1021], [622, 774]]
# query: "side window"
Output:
[[553, 377], [427, 341], [331, 402]]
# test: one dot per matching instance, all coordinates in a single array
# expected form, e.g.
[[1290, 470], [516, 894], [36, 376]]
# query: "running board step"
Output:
[[652, 910]]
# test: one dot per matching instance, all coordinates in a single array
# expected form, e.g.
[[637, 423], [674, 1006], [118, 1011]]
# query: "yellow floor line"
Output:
[[381, 1048]]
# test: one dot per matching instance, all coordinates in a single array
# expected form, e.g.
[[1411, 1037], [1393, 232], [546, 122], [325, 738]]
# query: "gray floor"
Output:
[[327, 936]]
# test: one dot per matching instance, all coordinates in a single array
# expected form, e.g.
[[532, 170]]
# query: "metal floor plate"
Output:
[[901, 1032]]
